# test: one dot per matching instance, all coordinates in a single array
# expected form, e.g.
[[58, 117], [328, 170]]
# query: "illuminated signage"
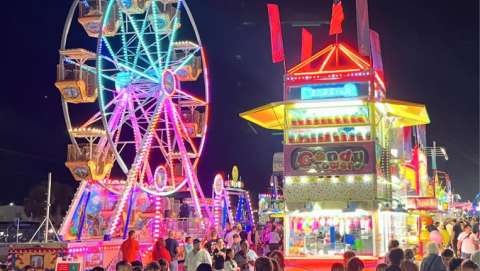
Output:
[[329, 160], [329, 91]]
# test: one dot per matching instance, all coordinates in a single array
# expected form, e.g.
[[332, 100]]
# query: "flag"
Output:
[[376, 52], [276, 39], [337, 18], [307, 43], [363, 27]]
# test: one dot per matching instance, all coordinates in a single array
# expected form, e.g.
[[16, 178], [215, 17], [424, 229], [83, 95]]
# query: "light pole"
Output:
[[435, 152]]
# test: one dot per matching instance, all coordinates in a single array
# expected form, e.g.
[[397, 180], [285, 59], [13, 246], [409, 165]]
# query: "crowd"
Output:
[[453, 246], [235, 249]]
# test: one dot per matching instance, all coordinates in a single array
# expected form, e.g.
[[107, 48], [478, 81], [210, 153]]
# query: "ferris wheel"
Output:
[[136, 103]]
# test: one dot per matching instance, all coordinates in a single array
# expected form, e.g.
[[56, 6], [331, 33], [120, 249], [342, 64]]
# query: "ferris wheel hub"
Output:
[[169, 82]]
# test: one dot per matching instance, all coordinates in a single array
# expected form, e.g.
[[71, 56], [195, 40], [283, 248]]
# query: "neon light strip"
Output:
[[172, 36], [380, 81], [328, 72], [345, 50], [191, 97], [140, 39], [177, 134], [132, 174], [229, 206], [124, 40], [88, 69], [137, 50], [194, 184], [157, 37], [186, 60], [169, 147], [327, 59], [309, 60], [156, 221]]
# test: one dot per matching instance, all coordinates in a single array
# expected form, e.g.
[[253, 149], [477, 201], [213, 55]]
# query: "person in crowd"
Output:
[[184, 210], [432, 262], [29, 268], [263, 264], [447, 256], [475, 225], [457, 230], [435, 236], [381, 267], [123, 266], [204, 267], [188, 246], [445, 235], [467, 242], [130, 248], [469, 265], [391, 245], [476, 257], [395, 258], [337, 267], [236, 243], [276, 265], [274, 239], [137, 266], [98, 268], [228, 236], [347, 255], [449, 228], [197, 256], [219, 255], [253, 238], [172, 246], [355, 264], [160, 251], [230, 264], [245, 257], [277, 255], [408, 264], [153, 266], [455, 264], [211, 243], [163, 265], [242, 232]]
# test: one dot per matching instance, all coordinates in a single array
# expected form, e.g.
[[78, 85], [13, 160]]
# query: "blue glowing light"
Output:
[[347, 90]]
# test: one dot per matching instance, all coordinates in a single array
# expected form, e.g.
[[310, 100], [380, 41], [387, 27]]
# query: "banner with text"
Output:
[[328, 159]]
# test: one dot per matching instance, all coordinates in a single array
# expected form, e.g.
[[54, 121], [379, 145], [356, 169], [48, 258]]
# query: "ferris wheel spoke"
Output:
[[157, 35], [88, 69], [185, 95], [113, 55], [133, 70], [184, 131], [172, 36], [124, 47], [186, 59], [140, 35], [195, 188]]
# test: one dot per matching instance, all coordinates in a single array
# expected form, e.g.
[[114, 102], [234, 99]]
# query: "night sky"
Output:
[[430, 55]]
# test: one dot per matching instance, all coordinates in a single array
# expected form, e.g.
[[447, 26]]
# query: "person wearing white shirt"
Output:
[[467, 242], [197, 256]]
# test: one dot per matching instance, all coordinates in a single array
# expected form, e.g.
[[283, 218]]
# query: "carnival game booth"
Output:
[[344, 144]]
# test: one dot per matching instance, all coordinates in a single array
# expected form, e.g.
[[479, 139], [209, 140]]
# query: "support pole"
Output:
[[47, 215], [18, 227]]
